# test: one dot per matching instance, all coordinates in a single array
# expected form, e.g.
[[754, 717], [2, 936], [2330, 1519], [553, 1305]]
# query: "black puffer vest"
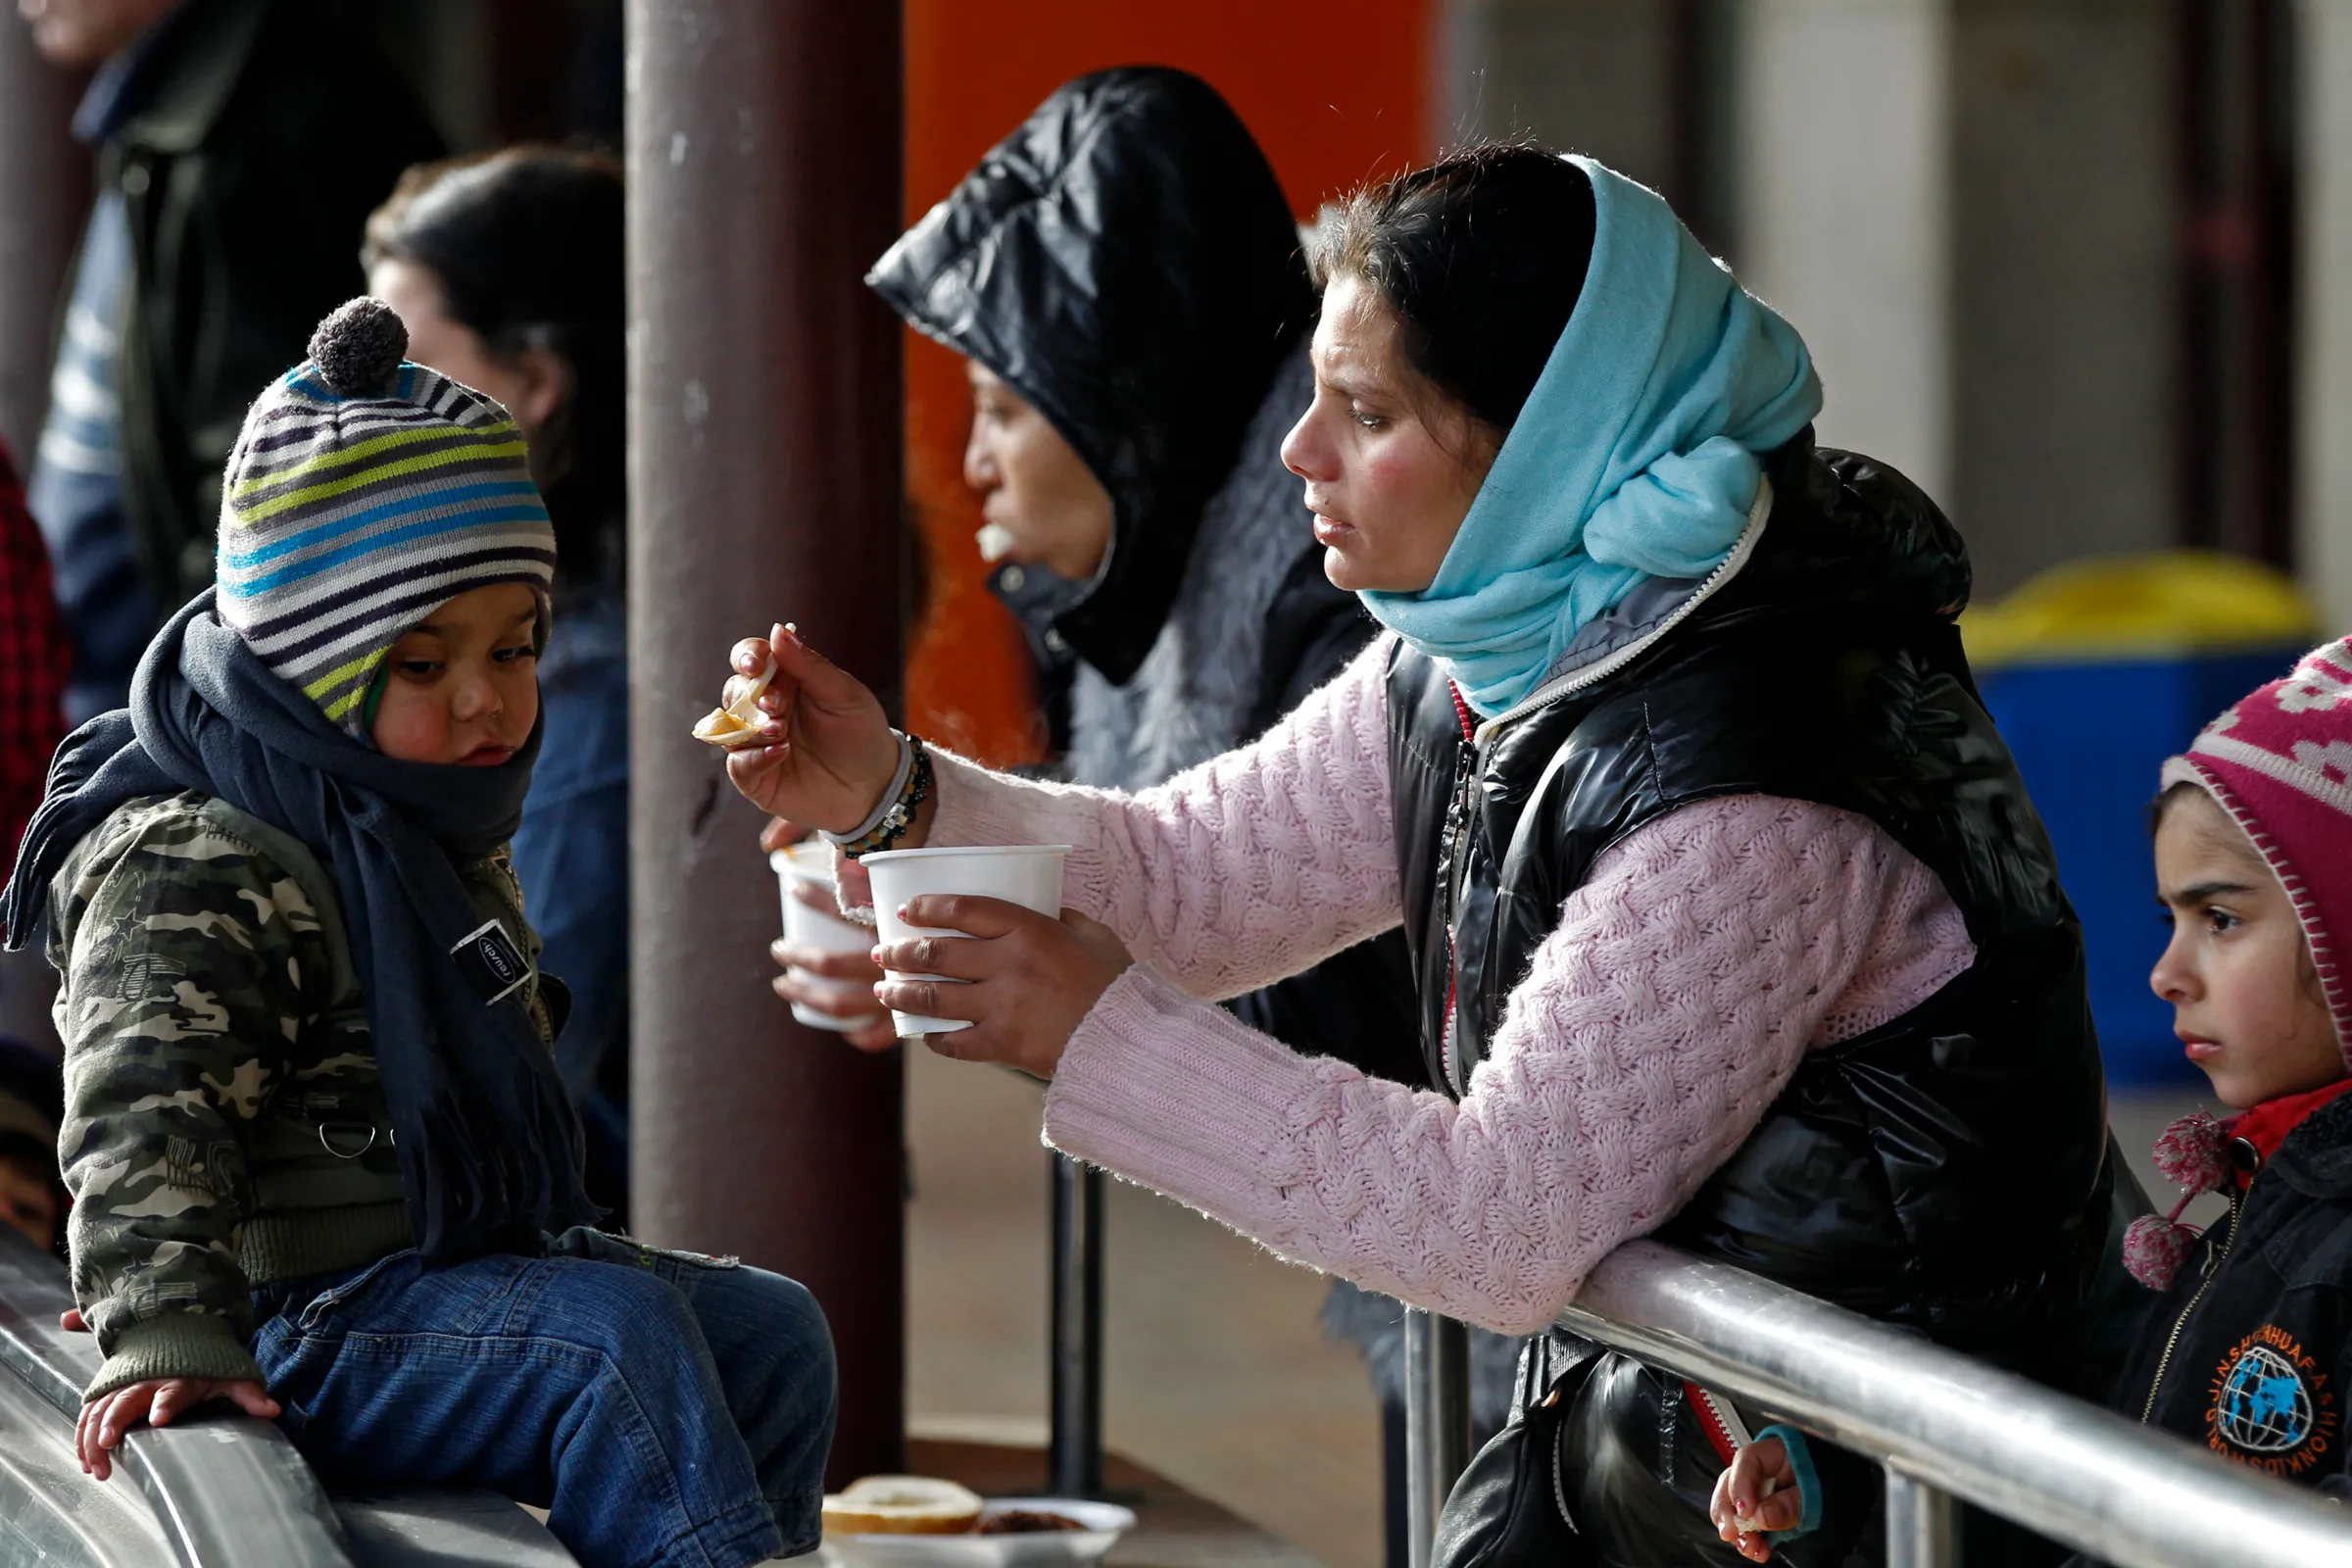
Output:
[[1945, 1172]]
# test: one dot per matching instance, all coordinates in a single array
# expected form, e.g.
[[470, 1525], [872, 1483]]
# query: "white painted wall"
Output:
[[2323, 543], [1845, 203]]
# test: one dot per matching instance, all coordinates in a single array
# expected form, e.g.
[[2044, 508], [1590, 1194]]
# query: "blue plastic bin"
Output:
[[2090, 739]]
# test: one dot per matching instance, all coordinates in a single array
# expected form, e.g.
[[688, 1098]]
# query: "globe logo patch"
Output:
[[2271, 1406]]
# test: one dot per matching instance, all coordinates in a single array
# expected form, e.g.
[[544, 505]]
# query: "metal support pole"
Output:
[[765, 408], [1923, 1524], [44, 191], [1437, 1422], [1074, 1458]]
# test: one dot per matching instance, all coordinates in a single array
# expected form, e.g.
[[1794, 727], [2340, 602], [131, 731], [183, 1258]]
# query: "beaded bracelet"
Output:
[[913, 787]]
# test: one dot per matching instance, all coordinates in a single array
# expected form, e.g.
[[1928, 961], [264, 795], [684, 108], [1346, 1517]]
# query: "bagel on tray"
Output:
[[901, 1506]]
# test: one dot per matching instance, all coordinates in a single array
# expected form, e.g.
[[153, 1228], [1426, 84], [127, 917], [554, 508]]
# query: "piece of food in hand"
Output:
[[736, 723], [901, 1506], [1025, 1521]]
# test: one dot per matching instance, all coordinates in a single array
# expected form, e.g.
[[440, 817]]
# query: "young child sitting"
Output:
[[309, 1081], [2249, 1353]]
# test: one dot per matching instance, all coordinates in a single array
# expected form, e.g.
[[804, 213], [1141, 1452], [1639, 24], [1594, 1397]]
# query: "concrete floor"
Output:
[[1217, 1374]]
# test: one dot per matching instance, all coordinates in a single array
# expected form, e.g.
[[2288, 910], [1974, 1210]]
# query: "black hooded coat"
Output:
[[1127, 262]]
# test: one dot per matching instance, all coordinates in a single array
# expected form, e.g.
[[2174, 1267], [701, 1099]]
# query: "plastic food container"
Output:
[[810, 865], [1104, 1523]]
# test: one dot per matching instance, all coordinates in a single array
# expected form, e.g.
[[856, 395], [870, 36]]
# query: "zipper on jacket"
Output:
[[2213, 1266], [1478, 737], [1601, 668], [1458, 833]]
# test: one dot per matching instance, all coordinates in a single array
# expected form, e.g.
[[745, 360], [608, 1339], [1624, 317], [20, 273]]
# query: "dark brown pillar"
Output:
[[764, 169], [44, 192]]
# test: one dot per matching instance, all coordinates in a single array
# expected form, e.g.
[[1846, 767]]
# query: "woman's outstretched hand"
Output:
[[1032, 979], [825, 753]]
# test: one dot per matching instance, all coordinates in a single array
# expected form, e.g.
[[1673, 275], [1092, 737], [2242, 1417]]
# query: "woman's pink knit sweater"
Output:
[[1703, 958]]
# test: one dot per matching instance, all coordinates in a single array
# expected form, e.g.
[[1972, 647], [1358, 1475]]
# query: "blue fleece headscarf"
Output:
[[1634, 456]]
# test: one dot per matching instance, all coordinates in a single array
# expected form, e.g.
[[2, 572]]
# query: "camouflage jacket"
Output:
[[224, 1126]]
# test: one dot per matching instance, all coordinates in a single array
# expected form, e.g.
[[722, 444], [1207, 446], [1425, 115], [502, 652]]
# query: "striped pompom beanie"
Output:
[[364, 492]]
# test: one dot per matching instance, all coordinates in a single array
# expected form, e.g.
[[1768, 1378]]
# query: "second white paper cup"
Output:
[[1027, 874], [811, 864]]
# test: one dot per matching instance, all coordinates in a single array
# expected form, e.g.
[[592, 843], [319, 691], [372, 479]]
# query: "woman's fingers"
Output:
[[780, 833], [818, 896], [932, 999], [973, 916], [852, 968], [811, 673], [951, 958], [749, 657]]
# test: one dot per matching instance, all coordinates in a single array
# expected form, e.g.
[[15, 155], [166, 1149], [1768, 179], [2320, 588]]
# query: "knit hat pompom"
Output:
[[2192, 1155], [2188, 1153], [359, 347], [2155, 1249]]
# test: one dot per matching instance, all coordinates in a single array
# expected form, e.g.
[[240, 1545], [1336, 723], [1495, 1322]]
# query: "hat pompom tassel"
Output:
[[2155, 1249], [2188, 1153]]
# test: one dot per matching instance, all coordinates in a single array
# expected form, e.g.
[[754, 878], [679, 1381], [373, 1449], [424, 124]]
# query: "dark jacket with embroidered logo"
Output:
[[2250, 1351]]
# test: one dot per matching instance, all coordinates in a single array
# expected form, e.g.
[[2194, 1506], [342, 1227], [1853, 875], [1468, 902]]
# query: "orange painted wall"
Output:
[[1335, 90]]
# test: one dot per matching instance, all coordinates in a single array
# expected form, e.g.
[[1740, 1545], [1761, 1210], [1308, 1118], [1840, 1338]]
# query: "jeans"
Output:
[[665, 1409]]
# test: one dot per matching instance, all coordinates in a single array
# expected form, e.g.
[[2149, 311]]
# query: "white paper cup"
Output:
[[811, 864], [1027, 874]]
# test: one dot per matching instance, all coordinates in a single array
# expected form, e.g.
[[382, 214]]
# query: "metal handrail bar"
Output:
[[1436, 1432], [252, 1503], [1942, 1422]]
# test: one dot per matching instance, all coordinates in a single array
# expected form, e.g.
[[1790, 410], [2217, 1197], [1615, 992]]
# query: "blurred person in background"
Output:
[[33, 1195], [1124, 277], [240, 144], [506, 269], [33, 680], [33, 663]]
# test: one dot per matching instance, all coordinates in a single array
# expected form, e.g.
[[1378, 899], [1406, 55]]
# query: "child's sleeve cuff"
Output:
[[1808, 1483]]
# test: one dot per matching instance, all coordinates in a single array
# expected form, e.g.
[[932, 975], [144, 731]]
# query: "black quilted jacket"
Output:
[[1948, 1171], [1128, 264]]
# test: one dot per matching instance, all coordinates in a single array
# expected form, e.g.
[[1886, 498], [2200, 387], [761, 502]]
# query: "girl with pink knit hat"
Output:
[[2250, 1351]]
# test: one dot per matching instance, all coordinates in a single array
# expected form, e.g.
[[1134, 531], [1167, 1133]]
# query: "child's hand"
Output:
[[1756, 1493], [157, 1400]]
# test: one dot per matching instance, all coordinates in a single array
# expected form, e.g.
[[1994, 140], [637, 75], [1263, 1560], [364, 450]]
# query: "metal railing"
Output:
[[251, 1503], [1942, 1425], [214, 1490]]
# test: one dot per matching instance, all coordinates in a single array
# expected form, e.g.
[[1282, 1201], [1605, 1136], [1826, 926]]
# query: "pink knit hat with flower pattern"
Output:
[[2280, 763]]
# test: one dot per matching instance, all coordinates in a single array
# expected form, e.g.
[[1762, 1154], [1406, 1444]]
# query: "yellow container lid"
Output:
[[2165, 603]]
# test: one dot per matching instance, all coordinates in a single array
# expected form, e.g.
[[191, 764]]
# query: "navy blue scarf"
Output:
[[489, 1145]]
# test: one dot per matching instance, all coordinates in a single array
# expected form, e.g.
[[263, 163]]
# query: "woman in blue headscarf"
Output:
[[1732, 921]]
